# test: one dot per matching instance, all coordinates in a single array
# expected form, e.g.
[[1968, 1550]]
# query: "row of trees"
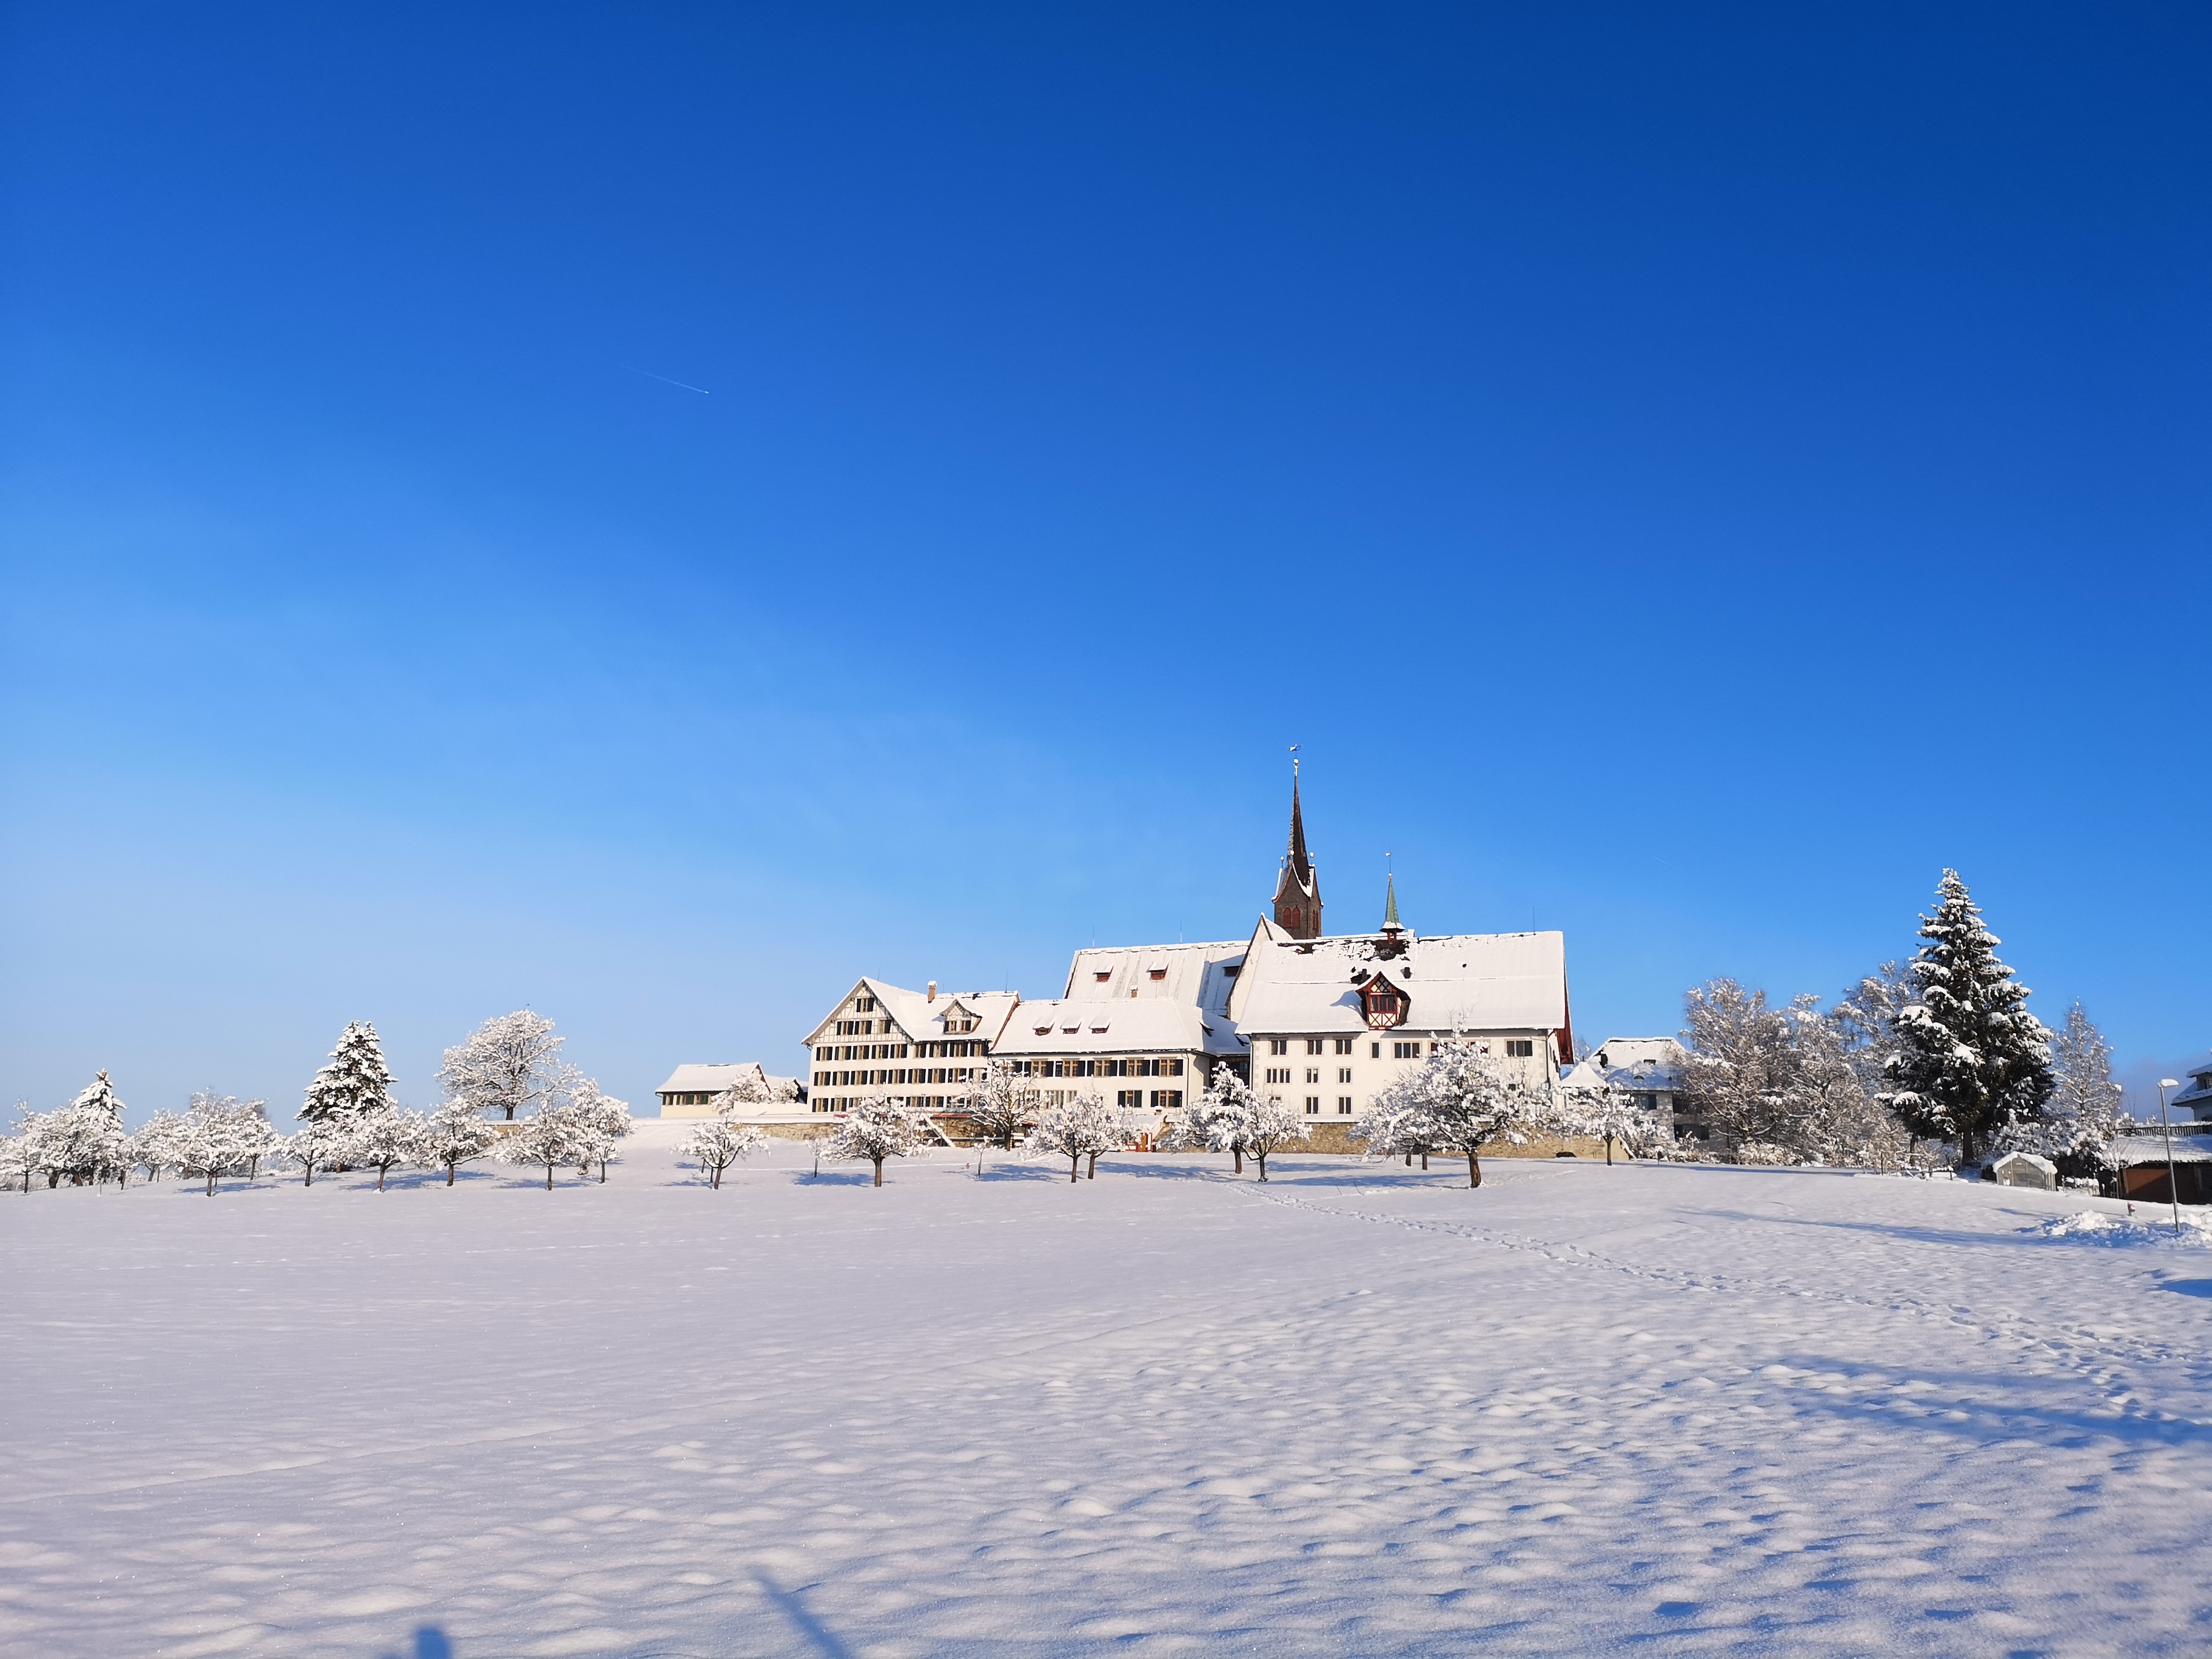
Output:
[[350, 1118], [1940, 1051]]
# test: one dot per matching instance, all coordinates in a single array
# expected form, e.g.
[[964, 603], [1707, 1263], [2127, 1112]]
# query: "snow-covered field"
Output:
[[1356, 1410]]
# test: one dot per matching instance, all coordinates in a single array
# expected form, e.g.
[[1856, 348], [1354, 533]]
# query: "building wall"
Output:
[[1310, 1072]]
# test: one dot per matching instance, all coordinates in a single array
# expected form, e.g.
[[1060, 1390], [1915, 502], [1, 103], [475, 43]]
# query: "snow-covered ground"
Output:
[[1356, 1410]]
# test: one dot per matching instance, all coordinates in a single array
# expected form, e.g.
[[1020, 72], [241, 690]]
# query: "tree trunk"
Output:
[[510, 1114], [1074, 1168], [1425, 1160], [380, 1177], [450, 1168], [1473, 1172], [1237, 1152], [1409, 1160], [879, 1172], [1260, 1159], [210, 1187], [548, 1177], [309, 1170], [1094, 1166], [1608, 1151]]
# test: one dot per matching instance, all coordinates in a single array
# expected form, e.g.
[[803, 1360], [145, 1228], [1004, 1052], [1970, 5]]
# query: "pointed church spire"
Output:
[[1391, 925], [1297, 893]]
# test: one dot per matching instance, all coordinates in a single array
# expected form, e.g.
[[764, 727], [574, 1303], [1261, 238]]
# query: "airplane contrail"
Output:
[[664, 380]]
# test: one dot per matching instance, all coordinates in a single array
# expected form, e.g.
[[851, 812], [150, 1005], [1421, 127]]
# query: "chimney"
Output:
[[933, 990]]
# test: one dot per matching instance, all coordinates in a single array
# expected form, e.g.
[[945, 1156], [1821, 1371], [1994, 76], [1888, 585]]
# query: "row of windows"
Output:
[[1171, 1067], [1163, 1100], [1343, 1105], [685, 1100], [1517, 1048], [857, 1027], [898, 1050], [894, 1074]]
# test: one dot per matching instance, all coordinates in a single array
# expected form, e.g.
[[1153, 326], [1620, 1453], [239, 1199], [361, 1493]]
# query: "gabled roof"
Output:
[[919, 1019], [1631, 1063], [713, 1079], [1472, 982]]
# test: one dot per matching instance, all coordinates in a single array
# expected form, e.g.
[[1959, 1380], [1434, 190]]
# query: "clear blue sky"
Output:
[[1684, 475]]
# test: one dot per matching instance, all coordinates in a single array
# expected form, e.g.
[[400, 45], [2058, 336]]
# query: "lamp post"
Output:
[[2173, 1185]]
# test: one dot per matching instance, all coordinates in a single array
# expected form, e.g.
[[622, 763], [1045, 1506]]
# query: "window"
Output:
[[1279, 1045], [1344, 1075], [1129, 1097], [1313, 1105], [1404, 1051], [1343, 1045], [1374, 1051], [1344, 1105], [1230, 972], [1313, 1073], [1312, 1044], [1521, 1048], [1156, 973], [1168, 1100], [864, 1005], [1279, 1074], [1103, 978]]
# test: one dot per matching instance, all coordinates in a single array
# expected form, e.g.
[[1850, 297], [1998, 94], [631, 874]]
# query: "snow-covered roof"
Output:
[[922, 1018], [1134, 1025], [1187, 973], [2197, 1098], [2151, 1149], [1631, 1063], [1470, 982], [713, 1079]]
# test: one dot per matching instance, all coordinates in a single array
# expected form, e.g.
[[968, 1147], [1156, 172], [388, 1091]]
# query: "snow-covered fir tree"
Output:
[[507, 1066], [456, 1133], [1079, 1128], [83, 1143], [1970, 1058], [717, 1143], [354, 1080], [999, 1103], [876, 1127]]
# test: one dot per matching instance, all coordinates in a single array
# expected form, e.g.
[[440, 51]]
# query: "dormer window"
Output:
[[1156, 973], [1103, 978], [1382, 1003]]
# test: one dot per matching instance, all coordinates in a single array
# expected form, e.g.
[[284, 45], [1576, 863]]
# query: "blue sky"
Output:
[[1684, 476]]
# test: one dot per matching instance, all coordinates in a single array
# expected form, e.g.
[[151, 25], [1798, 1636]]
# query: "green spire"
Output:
[[1390, 922]]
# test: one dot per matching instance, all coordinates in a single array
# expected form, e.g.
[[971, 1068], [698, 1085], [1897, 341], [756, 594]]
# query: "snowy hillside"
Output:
[[1356, 1410]]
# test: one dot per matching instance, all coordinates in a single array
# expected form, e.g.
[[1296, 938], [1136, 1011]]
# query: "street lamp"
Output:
[[2173, 1185]]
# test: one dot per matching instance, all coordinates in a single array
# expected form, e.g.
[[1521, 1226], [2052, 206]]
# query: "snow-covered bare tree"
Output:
[[748, 1089], [456, 1133], [1866, 1019], [999, 1103], [1475, 1104], [876, 1127], [1076, 1129], [354, 1080], [1216, 1121], [1270, 1125], [23, 1153], [1396, 1124], [717, 1143], [1608, 1112], [1738, 1065], [2082, 1116], [600, 1121], [547, 1140], [235, 1133], [315, 1146], [382, 1141], [507, 1066], [1970, 1058]]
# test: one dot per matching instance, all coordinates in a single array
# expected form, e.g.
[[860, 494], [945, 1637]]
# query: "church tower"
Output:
[[1297, 893]]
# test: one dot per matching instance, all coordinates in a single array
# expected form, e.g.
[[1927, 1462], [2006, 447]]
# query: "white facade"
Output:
[[1328, 1023], [917, 1046]]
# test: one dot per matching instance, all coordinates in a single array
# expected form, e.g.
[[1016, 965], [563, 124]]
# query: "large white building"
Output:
[[1324, 1022]]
